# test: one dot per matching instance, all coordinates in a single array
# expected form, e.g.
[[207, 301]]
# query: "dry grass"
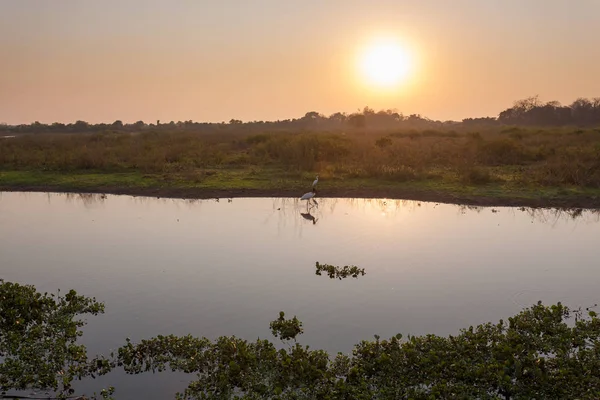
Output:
[[549, 157]]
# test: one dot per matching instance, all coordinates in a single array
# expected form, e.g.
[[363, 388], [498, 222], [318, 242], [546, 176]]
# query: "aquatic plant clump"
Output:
[[286, 329], [337, 272]]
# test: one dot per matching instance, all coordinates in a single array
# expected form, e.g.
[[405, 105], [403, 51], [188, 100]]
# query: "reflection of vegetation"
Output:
[[462, 208], [88, 199], [553, 215], [38, 335], [393, 207], [537, 353], [337, 272]]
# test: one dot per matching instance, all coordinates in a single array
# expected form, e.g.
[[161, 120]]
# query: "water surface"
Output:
[[213, 268]]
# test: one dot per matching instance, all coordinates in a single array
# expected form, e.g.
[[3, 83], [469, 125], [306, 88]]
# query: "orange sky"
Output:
[[212, 61]]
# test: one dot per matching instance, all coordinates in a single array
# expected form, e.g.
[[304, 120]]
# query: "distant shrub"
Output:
[[474, 136], [511, 129], [256, 139], [501, 151], [476, 176], [435, 133], [383, 142], [516, 135], [549, 156]]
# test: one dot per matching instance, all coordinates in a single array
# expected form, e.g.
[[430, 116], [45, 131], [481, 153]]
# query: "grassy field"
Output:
[[509, 166]]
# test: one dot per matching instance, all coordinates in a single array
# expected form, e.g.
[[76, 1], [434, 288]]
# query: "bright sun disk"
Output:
[[385, 63]]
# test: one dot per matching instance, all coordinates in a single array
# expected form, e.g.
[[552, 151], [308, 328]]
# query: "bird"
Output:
[[308, 196], [316, 181]]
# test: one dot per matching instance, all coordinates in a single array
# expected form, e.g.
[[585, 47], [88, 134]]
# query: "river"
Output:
[[228, 267]]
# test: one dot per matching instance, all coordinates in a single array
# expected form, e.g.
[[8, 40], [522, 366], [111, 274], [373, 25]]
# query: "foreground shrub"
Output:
[[38, 339], [542, 352]]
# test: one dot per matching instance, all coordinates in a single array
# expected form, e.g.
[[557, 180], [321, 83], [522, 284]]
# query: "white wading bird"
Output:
[[316, 181], [309, 196]]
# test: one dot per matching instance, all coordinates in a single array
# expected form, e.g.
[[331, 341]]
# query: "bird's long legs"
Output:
[[308, 203]]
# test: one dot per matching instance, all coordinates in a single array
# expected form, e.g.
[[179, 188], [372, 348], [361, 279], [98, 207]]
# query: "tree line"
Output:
[[526, 112]]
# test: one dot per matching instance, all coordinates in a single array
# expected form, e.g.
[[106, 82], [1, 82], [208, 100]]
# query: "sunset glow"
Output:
[[214, 61], [385, 64]]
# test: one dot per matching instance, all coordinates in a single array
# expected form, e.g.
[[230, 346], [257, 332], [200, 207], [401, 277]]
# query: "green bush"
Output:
[[538, 353]]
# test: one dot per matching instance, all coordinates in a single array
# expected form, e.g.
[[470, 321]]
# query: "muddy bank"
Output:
[[571, 201]]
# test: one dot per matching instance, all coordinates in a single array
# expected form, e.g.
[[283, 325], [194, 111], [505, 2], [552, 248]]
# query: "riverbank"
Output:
[[232, 184]]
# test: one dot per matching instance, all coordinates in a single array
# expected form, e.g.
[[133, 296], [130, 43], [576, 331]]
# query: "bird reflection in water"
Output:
[[309, 217]]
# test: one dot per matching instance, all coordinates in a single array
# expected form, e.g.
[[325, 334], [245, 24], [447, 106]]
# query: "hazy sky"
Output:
[[99, 61]]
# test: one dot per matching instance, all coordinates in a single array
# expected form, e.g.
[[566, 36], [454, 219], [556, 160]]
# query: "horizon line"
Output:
[[534, 100]]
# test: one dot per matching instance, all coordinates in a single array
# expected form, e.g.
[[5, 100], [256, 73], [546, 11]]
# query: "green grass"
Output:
[[536, 167], [75, 180], [244, 182]]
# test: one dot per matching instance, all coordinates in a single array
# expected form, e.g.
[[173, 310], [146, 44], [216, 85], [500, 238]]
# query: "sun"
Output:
[[385, 63]]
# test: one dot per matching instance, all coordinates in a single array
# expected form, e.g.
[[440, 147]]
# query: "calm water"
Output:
[[227, 268]]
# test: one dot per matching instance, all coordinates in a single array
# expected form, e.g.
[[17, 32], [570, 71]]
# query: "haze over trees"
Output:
[[582, 112]]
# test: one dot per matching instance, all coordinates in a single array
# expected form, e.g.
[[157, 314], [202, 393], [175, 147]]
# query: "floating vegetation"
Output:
[[337, 272], [286, 329]]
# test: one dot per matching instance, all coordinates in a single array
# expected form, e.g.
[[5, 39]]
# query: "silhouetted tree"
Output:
[[338, 118], [357, 120], [139, 125], [81, 125], [529, 111]]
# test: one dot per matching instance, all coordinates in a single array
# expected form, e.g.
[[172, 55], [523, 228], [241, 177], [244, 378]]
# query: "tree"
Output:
[[139, 125], [583, 111], [338, 118], [538, 353], [368, 111], [81, 125], [357, 120], [312, 115], [532, 111], [38, 339]]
